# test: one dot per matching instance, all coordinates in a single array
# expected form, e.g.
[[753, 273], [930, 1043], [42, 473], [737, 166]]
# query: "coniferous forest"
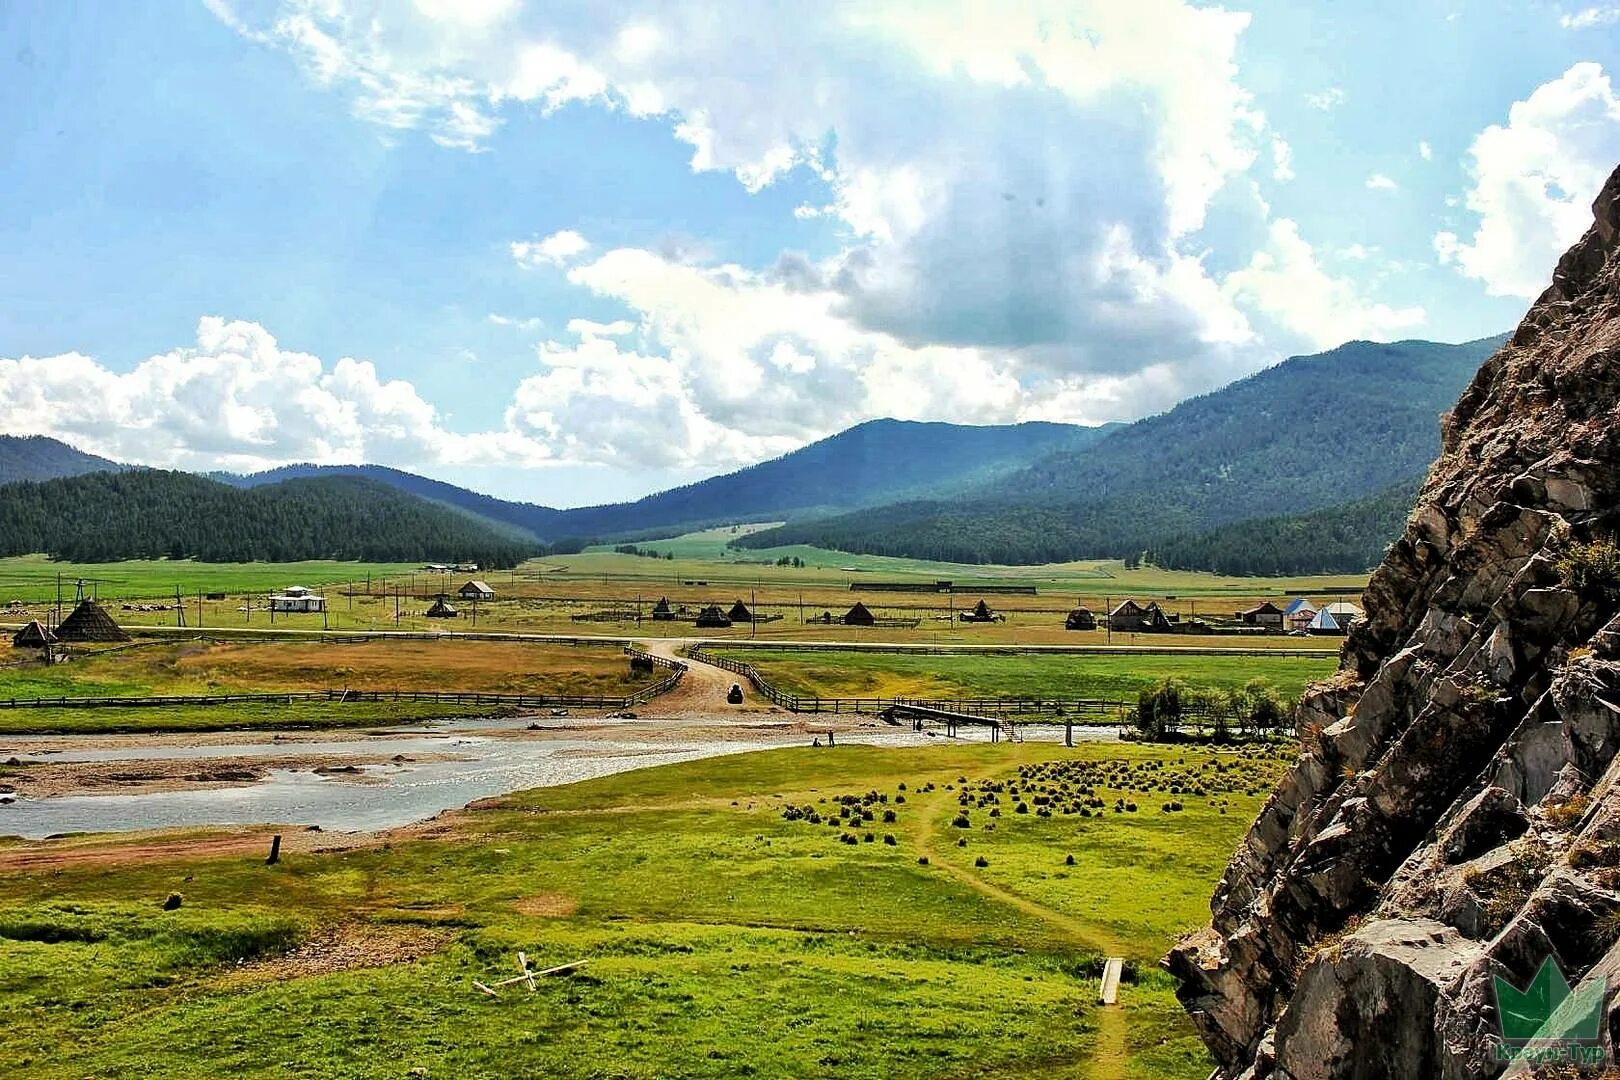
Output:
[[149, 513]]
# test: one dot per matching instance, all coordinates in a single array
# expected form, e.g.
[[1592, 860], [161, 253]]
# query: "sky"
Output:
[[576, 252]]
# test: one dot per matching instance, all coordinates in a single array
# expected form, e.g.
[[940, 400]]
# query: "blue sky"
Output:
[[573, 253]]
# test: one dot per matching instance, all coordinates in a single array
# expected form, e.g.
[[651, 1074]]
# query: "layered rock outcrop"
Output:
[[1455, 812]]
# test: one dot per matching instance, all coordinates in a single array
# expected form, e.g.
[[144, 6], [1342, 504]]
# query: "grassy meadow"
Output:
[[210, 668], [756, 915], [1109, 677]]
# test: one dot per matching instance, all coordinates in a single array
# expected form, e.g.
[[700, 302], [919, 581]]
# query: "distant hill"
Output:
[[1311, 432], [875, 462], [36, 457], [1344, 539], [148, 513]]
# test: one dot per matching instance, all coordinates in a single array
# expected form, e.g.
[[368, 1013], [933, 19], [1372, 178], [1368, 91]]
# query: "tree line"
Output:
[[150, 513]]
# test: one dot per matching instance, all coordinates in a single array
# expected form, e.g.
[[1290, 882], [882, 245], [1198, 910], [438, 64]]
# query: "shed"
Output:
[[476, 590], [859, 615], [33, 636], [711, 618], [89, 622], [441, 610], [740, 613], [1343, 612], [1263, 614], [1080, 619], [661, 611]]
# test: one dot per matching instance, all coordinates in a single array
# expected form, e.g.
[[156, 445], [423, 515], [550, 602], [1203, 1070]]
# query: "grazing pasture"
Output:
[[920, 926]]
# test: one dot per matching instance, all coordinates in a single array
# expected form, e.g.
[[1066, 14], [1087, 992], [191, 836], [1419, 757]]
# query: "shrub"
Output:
[[1567, 813], [888, 838], [981, 862], [1592, 570], [922, 860], [961, 821], [888, 817], [1068, 860]]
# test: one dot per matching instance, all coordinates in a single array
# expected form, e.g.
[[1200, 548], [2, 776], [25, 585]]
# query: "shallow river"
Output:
[[394, 793]]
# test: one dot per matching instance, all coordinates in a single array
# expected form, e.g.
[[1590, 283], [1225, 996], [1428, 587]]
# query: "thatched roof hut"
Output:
[[441, 610], [859, 615], [33, 636], [740, 613], [661, 611], [89, 622], [1080, 619], [712, 618]]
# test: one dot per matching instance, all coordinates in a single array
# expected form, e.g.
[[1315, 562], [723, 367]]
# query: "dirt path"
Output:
[[1108, 1060]]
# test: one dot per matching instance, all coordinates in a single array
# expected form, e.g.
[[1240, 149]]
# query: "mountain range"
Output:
[[1306, 466]]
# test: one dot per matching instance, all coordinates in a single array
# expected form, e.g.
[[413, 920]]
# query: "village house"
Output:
[[712, 618], [296, 600], [1266, 614], [476, 590], [1299, 613], [661, 611], [859, 615]]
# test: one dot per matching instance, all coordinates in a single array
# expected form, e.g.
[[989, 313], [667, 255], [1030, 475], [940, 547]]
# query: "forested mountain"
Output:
[[1312, 432], [518, 520], [1344, 539], [147, 513], [878, 461], [35, 457]]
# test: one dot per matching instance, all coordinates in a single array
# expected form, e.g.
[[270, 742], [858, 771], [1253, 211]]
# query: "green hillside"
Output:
[[148, 513]]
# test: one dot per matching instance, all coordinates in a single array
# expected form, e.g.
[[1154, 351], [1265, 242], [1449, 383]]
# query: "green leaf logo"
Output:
[[1547, 1010]]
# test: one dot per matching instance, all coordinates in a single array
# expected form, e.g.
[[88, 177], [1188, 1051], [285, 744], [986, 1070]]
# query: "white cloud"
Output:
[[515, 322], [1285, 281], [1589, 17], [1327, 99], [237, 399], [557, 249], [1380, 182], [1533, 181], [1282, 159], [1425, 151], [1028, 197]]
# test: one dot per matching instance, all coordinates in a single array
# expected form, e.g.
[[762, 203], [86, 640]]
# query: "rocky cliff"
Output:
[[1455, 812]]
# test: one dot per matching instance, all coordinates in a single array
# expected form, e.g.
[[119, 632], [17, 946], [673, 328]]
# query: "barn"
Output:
[[859, 615], [661, 611], [476, 590], [740, 613]]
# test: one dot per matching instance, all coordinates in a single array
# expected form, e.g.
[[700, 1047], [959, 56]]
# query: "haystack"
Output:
[[89, 622], [33, 636], [740, 613]]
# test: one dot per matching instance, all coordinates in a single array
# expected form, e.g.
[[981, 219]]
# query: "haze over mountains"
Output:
[[1307, 466]]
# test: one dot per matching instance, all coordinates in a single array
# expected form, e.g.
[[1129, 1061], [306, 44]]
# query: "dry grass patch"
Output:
[[547, 905], [344, 948]]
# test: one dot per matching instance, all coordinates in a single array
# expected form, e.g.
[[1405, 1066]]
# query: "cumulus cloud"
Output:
[[237, 399], [1285, 280], [1330, 98], [1589, 17], [555, 250], [1026, 198], [1533, 181], [1380, 182], [1425, 151]]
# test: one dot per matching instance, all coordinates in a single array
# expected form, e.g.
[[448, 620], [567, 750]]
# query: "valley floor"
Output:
[[728, 935]]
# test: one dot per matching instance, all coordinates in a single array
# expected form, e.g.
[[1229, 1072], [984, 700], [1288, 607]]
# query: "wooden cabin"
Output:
[[859, 615], [1267, 614], [476, 590], [1080, 619]]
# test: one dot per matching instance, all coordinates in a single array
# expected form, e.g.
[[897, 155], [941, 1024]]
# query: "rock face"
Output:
[[1455, 812]]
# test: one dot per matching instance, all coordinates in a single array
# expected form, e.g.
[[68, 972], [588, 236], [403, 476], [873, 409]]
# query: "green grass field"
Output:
[[853, 673], [33, 578], [727, 935]]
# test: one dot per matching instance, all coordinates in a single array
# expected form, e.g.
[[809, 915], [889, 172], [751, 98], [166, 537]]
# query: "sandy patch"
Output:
[[50, 779], [348, 947], [547, 905]]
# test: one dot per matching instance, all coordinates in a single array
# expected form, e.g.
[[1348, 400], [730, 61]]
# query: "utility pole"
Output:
[[1108, 616], [753, 612], [199, 609], [179, 608]]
